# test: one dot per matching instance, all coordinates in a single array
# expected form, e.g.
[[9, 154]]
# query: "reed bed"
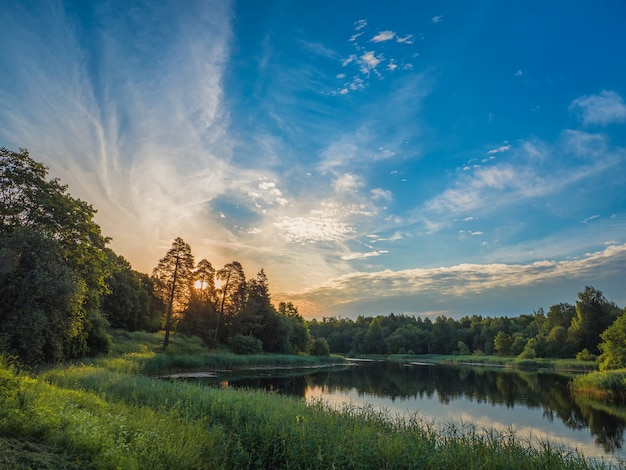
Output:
[[607, 385]]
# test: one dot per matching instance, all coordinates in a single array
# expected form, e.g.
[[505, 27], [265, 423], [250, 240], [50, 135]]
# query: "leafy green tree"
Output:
[[41, 300], [374, 341], [173, 280], [299, 335], [319, 347], [64, 225], [129, 303], [613, 345], [594, 314], [502, 343]]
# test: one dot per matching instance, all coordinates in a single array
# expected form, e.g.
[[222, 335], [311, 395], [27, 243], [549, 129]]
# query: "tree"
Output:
[[41, 300], [613, 345], [130, 303], [204, 282], [594, 314], [40, 212], [502, 343], [199, 318], [232, 293], [173, 279]]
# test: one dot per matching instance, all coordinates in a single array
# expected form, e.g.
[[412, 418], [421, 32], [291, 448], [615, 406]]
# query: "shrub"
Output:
[[585, 355], [241, 344]]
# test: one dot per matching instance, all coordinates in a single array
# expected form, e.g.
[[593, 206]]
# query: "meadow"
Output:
[[112, 413]]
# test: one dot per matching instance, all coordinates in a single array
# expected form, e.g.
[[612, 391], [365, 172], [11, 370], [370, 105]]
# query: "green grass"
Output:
[[109, 413], [140, 352], [606, 385]]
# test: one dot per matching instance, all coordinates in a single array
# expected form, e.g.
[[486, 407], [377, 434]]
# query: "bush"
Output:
[[585, 355], [241, 344], [527, 353]]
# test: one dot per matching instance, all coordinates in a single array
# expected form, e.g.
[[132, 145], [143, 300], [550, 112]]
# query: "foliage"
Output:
[[502, 343], [594, 314], [173, 281], [613, 345], [130, 302], [241, 344], [585, 355], [319, 347], [555, 334], [53, 266]]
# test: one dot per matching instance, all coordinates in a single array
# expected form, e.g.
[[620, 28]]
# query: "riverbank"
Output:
[[564, 365], [607, 385], [108, 413]]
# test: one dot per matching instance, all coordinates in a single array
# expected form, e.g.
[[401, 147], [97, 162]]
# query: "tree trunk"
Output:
[[170, 305], [220, 318]]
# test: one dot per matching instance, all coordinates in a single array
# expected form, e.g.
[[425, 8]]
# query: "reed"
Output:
[[607, 385]]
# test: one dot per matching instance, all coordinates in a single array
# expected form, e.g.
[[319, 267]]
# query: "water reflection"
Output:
[[538, 402]]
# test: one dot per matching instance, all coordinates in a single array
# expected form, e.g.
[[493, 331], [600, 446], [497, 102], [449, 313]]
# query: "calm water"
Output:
[[536, 405]]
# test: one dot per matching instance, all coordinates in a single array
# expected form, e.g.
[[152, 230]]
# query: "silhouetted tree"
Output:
[[173, 279]]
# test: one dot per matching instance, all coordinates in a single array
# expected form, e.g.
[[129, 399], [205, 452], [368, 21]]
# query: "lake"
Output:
[[537, 405]]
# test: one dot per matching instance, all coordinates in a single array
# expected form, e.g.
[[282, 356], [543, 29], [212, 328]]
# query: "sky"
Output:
[[416, 157]]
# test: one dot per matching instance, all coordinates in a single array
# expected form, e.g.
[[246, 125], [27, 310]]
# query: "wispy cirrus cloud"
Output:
[[116, 124], [604, 108], [532, 170]]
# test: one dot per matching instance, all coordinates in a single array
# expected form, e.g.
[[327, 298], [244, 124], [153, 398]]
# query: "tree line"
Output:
[[593, 327], [62, 287]]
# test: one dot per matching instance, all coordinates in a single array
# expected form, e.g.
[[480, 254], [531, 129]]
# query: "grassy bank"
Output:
[[500, 361], [110, 413], [143, 353], [605, 385]]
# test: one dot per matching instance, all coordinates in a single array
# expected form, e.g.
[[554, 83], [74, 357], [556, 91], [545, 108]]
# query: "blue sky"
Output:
[[430, 158]]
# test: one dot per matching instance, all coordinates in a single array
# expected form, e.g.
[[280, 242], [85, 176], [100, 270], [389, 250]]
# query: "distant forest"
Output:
[[62, 288]]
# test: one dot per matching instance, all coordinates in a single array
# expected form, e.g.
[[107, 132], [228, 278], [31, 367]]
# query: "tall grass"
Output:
[[261, 430], [606, 385]]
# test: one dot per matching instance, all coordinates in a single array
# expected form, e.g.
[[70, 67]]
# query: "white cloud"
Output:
[[519, 73], [408, 39], [360, 24], [605, 108], [461, 281], [590, 218], [437, 19], [315, 228], [369, 61], [356, 36], [369, 254], [347, 183], [384, 36], [349, 60], [533, 169], [381, 194], [500, 149]]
